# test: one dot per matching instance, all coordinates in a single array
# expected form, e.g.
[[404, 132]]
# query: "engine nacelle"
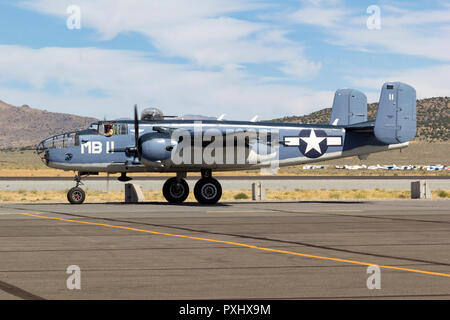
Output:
[[156, 146]]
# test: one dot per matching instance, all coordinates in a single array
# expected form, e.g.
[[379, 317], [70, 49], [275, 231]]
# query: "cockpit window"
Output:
[[111, 128], [121, 128], [108, 130], [65, 140], [94, 126]]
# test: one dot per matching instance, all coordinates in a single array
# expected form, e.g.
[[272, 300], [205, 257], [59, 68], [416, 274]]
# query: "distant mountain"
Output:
[[433, 118], [24, 126]]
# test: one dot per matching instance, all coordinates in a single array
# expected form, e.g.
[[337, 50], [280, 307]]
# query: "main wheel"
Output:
[[76, 195], [207, 191], [175, 190]]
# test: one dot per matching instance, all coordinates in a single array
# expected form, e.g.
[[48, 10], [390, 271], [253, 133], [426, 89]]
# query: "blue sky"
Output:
[[241, 58]]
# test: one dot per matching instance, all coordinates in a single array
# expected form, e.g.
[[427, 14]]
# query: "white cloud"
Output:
[[302, 70], [319, 16], [423, 33], [201, 31], [428, 82], [207, 33], [217, 45], [128, 77]]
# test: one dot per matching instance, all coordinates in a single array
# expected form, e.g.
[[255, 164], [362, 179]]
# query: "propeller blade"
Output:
[[136, 127], [136, 134]]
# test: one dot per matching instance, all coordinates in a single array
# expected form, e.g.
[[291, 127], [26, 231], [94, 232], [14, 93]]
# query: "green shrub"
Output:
[[241, 196], [335, 196], [443, 194]]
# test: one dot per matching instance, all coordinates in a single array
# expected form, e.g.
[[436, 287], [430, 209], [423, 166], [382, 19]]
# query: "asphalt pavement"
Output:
[[234, 250]]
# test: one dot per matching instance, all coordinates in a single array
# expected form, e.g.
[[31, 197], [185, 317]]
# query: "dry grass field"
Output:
[[26, 163], [237, 195]]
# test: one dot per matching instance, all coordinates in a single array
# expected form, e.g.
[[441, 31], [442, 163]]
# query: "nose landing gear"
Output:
[[76, 195]]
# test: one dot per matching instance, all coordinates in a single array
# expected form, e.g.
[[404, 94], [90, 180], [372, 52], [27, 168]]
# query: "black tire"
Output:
[[76, 195], [175, 190], [208, 191]]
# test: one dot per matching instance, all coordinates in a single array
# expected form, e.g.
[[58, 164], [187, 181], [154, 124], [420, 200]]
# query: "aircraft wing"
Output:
[[251, 136]]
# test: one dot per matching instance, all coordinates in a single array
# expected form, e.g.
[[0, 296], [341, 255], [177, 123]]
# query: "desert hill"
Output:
[[24, 126]]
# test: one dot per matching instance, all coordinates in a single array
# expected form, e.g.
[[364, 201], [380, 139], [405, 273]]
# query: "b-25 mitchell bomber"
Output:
[[160, 144]]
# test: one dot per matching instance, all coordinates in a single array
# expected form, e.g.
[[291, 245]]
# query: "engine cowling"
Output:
[[156, 146]]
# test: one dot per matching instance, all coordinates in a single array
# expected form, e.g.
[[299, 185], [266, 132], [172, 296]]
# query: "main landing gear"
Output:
[[207, 190]]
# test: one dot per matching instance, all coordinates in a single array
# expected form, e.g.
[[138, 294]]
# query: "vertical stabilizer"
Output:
[[396, 116], [349, 107]]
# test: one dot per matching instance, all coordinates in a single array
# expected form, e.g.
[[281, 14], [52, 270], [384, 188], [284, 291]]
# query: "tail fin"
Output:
[[396, 116], [349, 107]]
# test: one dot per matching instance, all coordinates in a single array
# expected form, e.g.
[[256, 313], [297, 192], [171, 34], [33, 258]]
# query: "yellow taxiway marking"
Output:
[[242, 245]]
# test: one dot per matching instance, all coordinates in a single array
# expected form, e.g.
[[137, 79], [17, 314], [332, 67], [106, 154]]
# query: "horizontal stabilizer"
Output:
[[396, 116], [367, 126], [349, 107]]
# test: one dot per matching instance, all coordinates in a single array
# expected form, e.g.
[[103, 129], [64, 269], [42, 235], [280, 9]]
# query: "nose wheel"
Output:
[[76, 195]]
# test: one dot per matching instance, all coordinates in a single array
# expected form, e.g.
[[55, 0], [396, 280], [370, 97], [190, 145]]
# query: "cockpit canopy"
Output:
[[70, 139], [102, 127], [152, 114]]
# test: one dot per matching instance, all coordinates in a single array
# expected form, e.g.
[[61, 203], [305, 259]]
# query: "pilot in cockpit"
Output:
[[108, 130]]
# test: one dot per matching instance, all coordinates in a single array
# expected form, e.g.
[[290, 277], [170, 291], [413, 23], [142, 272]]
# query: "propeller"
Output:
[[134, 149], [136, 126], [136, 132]]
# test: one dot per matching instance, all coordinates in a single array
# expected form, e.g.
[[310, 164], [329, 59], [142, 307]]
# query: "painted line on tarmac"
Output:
[[241, 245]]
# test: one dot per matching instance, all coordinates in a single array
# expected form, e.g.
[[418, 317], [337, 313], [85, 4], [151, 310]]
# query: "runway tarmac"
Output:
[[266, 250]]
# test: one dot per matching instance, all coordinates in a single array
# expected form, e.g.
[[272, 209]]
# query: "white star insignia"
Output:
[[313, 142]]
